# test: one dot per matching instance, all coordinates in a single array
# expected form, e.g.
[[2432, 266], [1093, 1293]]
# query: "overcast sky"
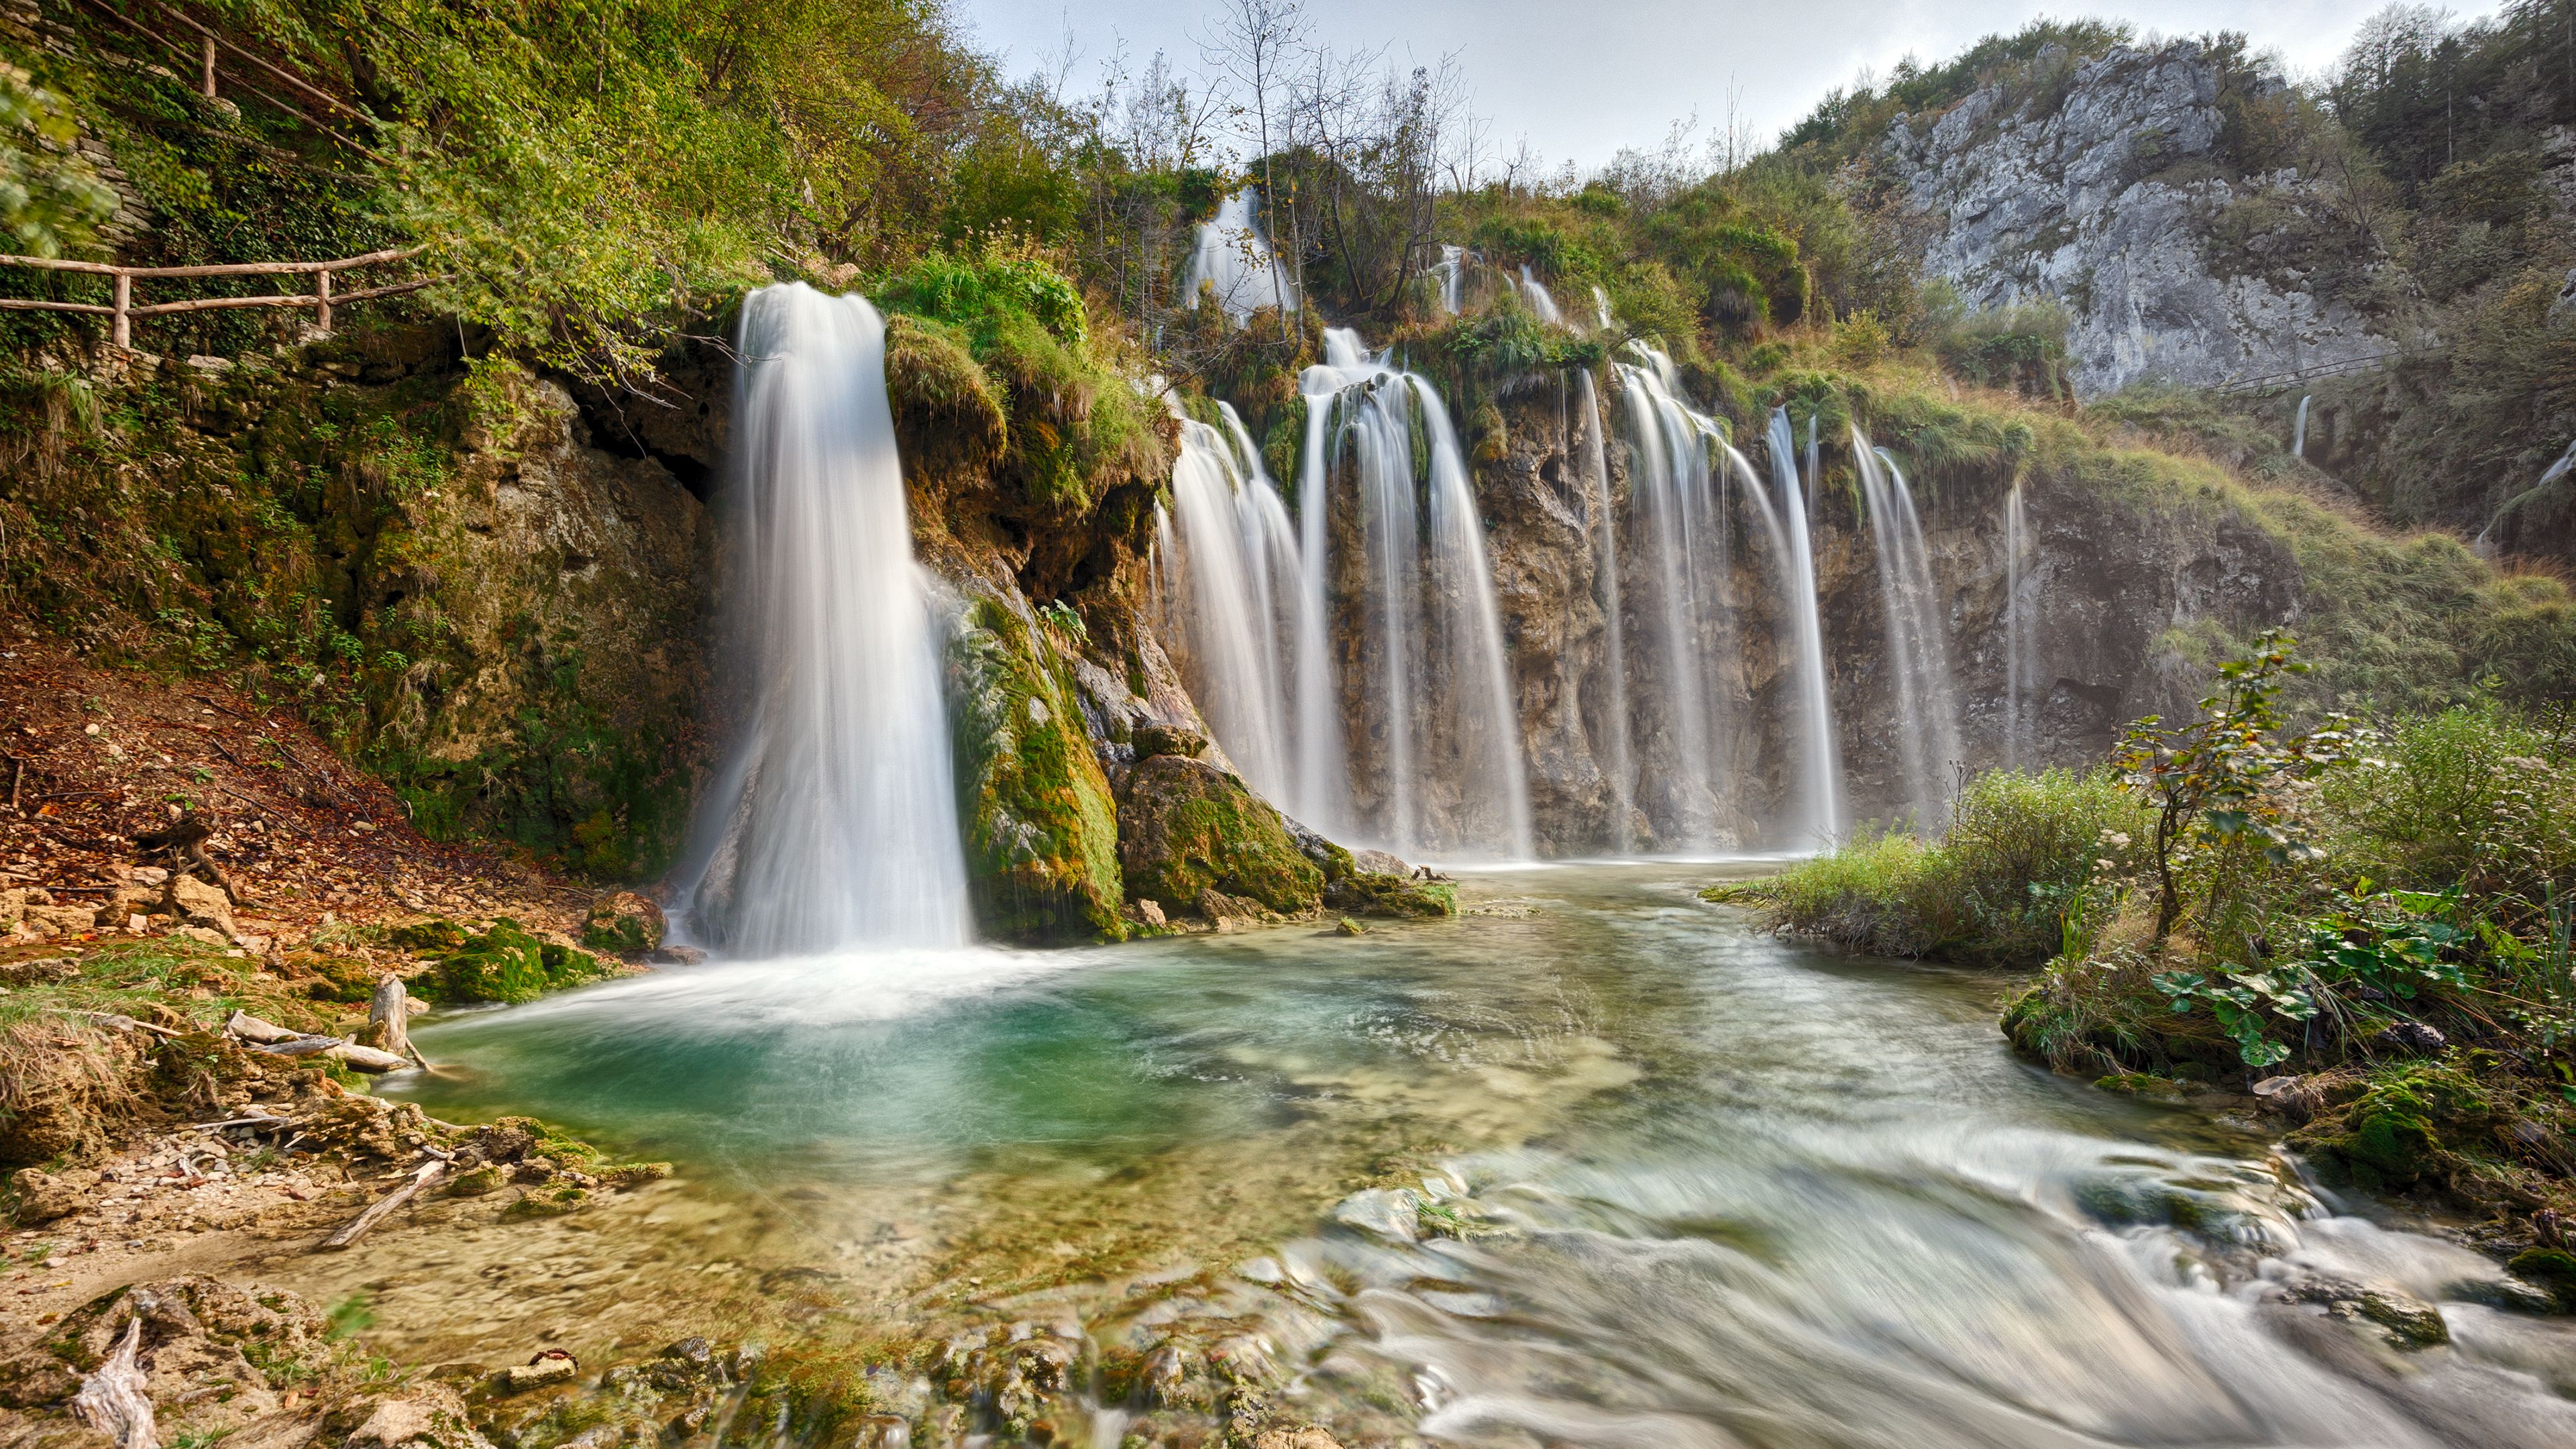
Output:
[[1582, 80]]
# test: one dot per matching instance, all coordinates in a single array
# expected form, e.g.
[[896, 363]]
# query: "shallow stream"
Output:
[[1595, 1165]]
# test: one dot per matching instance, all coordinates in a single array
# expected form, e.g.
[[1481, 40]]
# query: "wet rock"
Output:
[[508, 963], [623, 924], [2552, 1269], [553, 1366], [1185, 826], [1151, 913], [1327, 857], [1378, 862], [1391, 896], [2293, 1097], [1348, 927], [1309, 1437], [1042, 858]]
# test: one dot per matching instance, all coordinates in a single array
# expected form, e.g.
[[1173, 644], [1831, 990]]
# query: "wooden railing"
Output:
[[321, 299]]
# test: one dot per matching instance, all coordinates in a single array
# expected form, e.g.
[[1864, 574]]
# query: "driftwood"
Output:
[[112, 1400], [277, 1041], [251, 1028], [367, 1059], [429, 1175], [302, 1046]]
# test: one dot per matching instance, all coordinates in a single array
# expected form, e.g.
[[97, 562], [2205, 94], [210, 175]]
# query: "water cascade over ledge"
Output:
[[1234, 257], [1918, 652], [1820, 794], [834, 822], [1436, 766]]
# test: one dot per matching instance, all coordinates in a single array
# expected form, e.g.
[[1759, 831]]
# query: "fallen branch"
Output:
[[251, 1029], [431, 1173], [112, 1400], [117, 1021]]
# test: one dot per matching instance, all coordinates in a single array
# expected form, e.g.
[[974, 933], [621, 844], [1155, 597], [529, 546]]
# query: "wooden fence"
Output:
[[321, 299]]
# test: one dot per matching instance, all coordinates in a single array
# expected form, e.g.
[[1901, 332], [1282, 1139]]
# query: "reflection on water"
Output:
[[1696, 1187]]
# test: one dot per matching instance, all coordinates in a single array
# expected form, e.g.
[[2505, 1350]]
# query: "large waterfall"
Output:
[[1437, 766], [1820, 776], [834, 823], [1918, 652], [1234, 257], [1229, 590], [1679, 533]]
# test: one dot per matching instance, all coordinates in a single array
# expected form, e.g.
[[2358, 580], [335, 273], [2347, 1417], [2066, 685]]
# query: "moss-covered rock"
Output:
[[1041, 827], [2397, 1127], [1185, 826], [948, 414], [1367, 893], [506, 963], [622, 924]]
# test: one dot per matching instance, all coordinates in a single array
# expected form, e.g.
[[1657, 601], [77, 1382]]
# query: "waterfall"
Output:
[[2021, 713], [1452, 272], [1820, 772], [1678, 527], [2299, 431], [1227, 574], [1234, 256], [1927, 703], [1433, 693], [1601, 309], [834, 823], [1603, 516], [1535, 292]]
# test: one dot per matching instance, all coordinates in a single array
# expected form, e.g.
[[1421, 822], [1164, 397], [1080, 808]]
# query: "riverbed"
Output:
[[1595, 1164]]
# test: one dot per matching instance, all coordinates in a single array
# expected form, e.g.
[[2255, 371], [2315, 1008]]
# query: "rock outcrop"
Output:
[[2100, 184], [1187, 827]]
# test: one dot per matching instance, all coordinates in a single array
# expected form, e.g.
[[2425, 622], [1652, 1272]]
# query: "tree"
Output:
[[1256, 43]]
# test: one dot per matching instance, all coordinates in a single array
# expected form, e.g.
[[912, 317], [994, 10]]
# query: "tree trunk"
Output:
[[112, 1400]]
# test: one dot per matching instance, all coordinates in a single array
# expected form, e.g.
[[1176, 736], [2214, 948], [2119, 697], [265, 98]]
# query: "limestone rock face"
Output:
[[1186, 826], [2105, 201]]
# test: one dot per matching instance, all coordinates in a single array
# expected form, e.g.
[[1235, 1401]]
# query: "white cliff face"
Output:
[[2091, 201]]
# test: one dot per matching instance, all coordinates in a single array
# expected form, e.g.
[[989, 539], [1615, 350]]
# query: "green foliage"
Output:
[[51, 199], [2022, 348], [506, 963], [2213, 785], [2027, 859]]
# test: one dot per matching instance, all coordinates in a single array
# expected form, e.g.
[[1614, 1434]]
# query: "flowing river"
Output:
[[1597, 1164]]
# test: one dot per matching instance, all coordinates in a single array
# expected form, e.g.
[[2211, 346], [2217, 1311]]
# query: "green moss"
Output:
[[549, 1200], [1368, 893], [2550, 1268], [2403, 1128], [1041, 827], [506, 963], [1186, 826]]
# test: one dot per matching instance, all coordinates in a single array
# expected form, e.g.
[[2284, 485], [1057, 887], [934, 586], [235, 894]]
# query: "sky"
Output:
[[1582, 80]]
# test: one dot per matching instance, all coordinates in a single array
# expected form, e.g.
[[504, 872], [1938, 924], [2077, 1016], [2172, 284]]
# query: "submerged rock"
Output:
[[1185, 826], [623, 924], [1367, 893]]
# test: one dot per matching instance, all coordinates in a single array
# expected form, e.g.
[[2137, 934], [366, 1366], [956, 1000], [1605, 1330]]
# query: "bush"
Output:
[[2026, 861]]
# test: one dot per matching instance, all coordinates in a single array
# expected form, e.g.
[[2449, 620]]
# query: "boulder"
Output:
[[41, 971], [1168, 739], [196, 903], [1368, 893], [623, 924], [1378, 862], [1185, 826], [45, 1196], [422, 1416]]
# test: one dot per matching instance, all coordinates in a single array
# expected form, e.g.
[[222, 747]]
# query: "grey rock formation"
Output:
[[2100, 194]]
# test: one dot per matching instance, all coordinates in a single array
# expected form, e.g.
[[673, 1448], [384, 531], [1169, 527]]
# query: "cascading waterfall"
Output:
[[1540, 300], [1603, 518], [1452, 272], [1433, 687], [834, 823], [1678, 528], [1927, 702], [1233, 255], [1820, 774], [2299, 431], [1228, 577], [2020, 710]]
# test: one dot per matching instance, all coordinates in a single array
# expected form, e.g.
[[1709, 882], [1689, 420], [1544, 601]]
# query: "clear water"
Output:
[[1725, 1190]]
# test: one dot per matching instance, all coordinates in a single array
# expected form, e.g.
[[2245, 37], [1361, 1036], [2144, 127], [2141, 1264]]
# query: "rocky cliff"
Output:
[[2117, 186]]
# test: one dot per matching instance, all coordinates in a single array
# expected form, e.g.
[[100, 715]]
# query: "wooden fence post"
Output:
[[322, 300], [210, 67], [123, 330]]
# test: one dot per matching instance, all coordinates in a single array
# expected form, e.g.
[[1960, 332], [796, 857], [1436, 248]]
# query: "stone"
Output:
[[61, 920], [423, 1416], [1392, 896], [1348, 927], [2412, 1036], [623, 923], [196, 903], [1151, 913], [1167, 739], [44, 1196], [40, 971], [1378, 862], [1186, 827], [554, 1366]]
